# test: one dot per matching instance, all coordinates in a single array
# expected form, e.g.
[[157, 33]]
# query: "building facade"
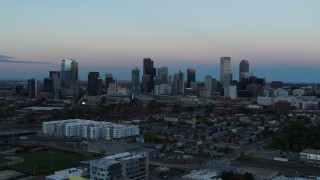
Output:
[[208, 85], [108, 79], [94, 84], [191, 76], [69, 74], [32, 88], [135, 81], [148, 69], [178, 84], [243, 68], [88, 129], [120, 166], [225, 71], [163, 75]]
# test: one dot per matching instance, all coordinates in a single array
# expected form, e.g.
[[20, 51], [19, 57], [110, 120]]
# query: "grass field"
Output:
[[5, 147], [45, 161], [4, 160]]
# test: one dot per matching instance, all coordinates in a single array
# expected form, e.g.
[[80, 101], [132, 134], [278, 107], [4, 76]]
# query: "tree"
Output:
[[149, 136], [227, 175], [176, 109], [248, 176]]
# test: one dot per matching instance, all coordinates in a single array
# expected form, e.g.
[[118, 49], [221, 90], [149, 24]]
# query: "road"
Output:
[[224, 163]]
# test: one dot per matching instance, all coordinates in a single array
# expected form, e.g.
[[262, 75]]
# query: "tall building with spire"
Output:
[[243, 69], [225, 71], [69, 74]]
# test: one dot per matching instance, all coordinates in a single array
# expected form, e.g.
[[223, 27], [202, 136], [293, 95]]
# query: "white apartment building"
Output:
[[310, 156], [120, 166], [89, 129], [300, 102], [298, 92], [280, 92]]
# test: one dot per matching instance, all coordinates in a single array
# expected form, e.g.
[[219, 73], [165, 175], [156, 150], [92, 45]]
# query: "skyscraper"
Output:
[[243, 68], [148, 69], [191, 76], [135, 79], [208, 85], [163, 75], [108, 79], [69, 74], [93, 84], [31, 89], [225, 71], [55, 75], [146, 80], [48, 85], [178, 83]]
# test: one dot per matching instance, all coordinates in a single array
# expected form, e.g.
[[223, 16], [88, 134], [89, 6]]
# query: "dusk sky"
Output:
[[280, 38]]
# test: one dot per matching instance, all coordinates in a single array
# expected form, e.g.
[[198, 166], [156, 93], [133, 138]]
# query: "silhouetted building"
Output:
[[214, 85], [276, 84], [163, 75], [243, 68], [250, 86], [48, 85], [19, 89], [146, 80], [108, 79], [225, 71], [208, 85], [55, 76], [93, 83], [148, 69], [191, 76], [135, 76], [31, 89], [178, 84]]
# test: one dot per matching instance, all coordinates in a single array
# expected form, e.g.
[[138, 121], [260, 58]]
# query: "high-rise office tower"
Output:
[[208, 85], [148, 69], [55, 75], [39, 87], [191, 76], [225, 71], [69, 74], [163, 75], [135, 80], [243, 68], [93, 84], [108, 79], [31, 88], [146, 80], [48, 85], [178, 83]]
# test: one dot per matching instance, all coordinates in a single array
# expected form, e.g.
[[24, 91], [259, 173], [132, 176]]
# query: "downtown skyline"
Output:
[[279, 39]]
